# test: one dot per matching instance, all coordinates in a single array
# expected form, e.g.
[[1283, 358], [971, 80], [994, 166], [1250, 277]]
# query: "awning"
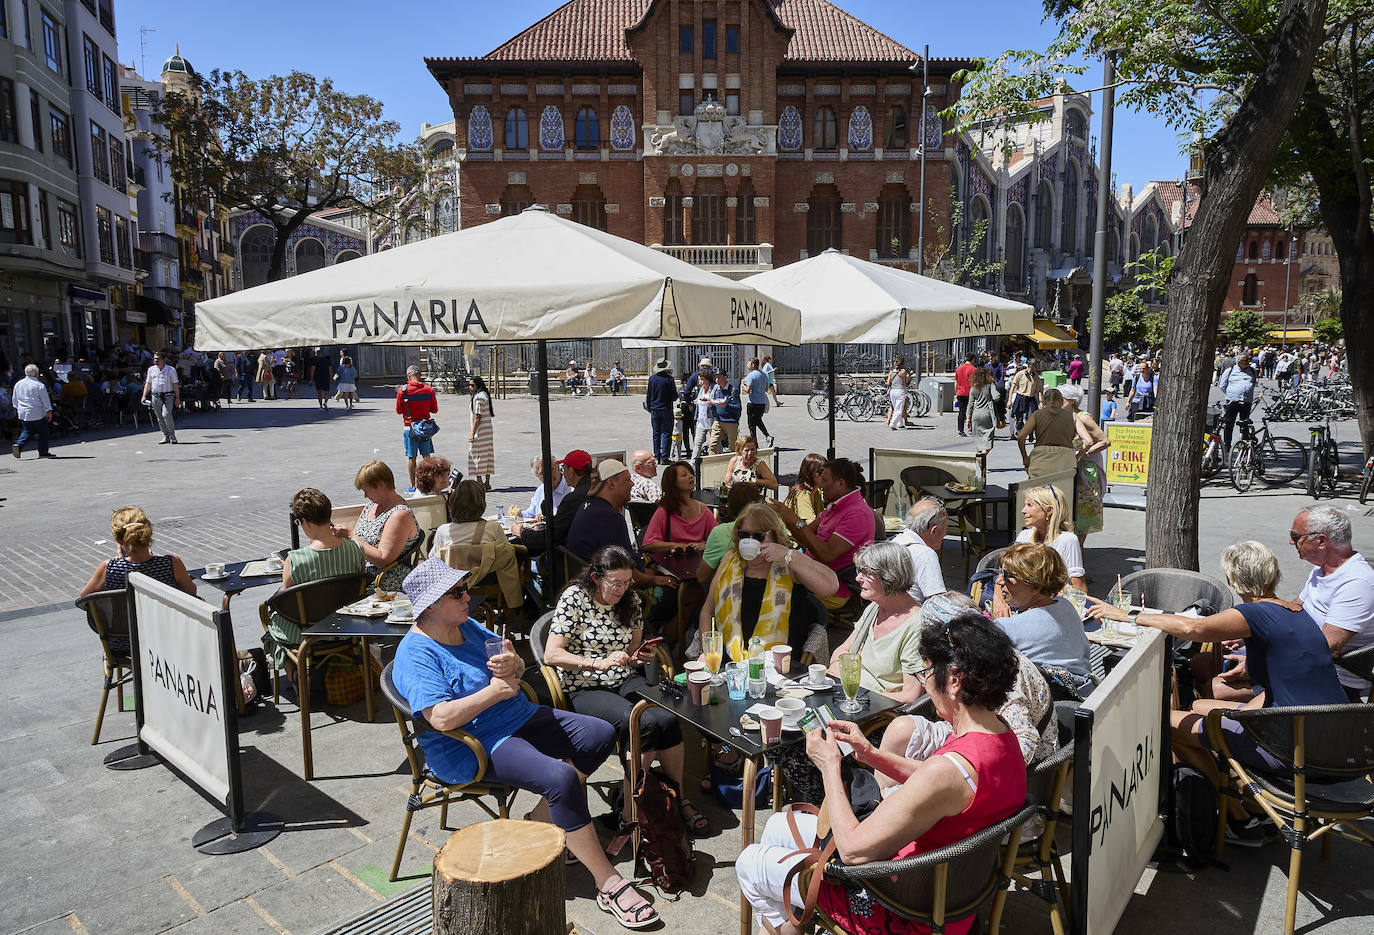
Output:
[[158, 313], [1076, 274], [1050, 336], [1292, 334], [88, 295]]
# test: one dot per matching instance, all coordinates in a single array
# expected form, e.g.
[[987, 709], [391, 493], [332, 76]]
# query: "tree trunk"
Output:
[[284, 230], [500, 877], [1236, 164]]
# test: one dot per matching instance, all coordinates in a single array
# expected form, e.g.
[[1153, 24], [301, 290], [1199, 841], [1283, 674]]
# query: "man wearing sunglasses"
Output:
[[161, 384], [1339, 593]]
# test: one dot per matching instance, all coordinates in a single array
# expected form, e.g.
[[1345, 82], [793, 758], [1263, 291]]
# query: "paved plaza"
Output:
[[91, 850]]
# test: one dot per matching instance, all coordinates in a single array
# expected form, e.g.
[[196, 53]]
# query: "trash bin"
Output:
[[1053, 378], [941, 393]]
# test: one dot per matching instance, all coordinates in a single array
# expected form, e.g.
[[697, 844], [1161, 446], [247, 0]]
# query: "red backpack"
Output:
[[665, 851]]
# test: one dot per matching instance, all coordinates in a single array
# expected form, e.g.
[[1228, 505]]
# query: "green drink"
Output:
[[851, 666]]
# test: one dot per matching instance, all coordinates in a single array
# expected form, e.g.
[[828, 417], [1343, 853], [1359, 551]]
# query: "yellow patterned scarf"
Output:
[[774, 609]]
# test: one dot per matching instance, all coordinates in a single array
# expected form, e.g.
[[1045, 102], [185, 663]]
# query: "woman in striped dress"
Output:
[[325, 556], [482, 438]]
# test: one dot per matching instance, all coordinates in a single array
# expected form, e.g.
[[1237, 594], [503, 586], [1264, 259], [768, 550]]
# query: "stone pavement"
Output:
[[95, 851]]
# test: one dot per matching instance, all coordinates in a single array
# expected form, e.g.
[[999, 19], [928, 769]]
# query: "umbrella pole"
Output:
[[552, 565], [830, 354]]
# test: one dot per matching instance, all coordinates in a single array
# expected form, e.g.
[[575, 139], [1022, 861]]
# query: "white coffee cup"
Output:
[[274, 563], [791, 709], [402, 611], [214, 569], [749, 549], [816, 673]]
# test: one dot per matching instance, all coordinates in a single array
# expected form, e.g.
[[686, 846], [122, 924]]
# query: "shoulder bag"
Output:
[[420, 429]]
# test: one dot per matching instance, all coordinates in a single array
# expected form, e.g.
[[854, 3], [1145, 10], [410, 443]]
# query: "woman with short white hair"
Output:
[[1090, 483]]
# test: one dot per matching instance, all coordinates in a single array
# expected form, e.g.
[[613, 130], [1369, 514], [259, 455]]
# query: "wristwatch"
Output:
[[799, 525], [1130, 618]]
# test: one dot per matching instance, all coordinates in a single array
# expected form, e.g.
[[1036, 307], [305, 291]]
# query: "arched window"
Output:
[[1075, 124], [823, 220], [709, 221], [1134, 246], [309, 255], [589, 206], [894, 221], [1254, 249], [1114, 251], [1151, 238], [255, 253], [896, 127], [744, 213], [1264, 250], [1249, 294], [824, 133], [672, 213], [442, 149], [1013, 272], [1044, 214], [588, 129], [345, 256], [517, 129], [415, 230], [516, 198], [1068, 234], [980, 213]]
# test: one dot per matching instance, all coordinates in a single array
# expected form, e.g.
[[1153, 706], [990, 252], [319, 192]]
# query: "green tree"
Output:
[[1231, 71], [1329, 330], [286, 146], [1247, 327], [1156, 328], [1124, 319]]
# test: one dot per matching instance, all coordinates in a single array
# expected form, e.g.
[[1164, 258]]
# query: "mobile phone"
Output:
[[648, 645], [810, 720]]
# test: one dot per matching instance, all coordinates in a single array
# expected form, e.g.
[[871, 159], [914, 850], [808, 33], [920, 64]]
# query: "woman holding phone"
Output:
[[595, 645]]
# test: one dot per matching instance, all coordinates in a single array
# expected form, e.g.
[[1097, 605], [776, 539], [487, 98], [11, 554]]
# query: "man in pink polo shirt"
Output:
[[843, 527]]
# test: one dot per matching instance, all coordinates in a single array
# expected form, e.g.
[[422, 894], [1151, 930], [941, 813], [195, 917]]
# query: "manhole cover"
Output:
[[225, 456]]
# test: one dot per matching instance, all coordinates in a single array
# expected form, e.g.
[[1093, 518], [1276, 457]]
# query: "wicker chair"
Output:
[[877, 493], [1174, 589], [1359, 662], [943, 885], [1046, 781], [428, 790], [1328, 753], [307, 604], [640, 515], [539, 636], [107, 614]]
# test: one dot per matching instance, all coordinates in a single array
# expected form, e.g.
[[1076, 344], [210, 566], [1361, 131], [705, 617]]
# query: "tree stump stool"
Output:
[[501, 877]]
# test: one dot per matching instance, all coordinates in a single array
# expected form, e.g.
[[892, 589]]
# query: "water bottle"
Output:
[[755, 658]]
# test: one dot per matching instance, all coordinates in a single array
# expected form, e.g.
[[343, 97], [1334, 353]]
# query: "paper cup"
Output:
[[699, 684], [771, 720], [696, 665], [782, 658], [791, 709], [815, 673]]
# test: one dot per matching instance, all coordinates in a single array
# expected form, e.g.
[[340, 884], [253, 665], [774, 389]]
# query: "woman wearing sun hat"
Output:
[[443, 672]]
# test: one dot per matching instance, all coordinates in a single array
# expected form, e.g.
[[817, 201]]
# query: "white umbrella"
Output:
[[533, 276], [845, 300]]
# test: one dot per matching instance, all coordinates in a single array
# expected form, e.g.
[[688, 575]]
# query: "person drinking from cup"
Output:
[[594, 644], [976, 779], [324, 556], [443, 671]]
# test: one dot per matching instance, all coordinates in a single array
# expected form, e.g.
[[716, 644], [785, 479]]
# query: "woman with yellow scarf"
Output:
[[766, 588]]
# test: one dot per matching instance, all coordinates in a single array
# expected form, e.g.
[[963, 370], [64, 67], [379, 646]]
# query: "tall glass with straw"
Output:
[[711, 652]]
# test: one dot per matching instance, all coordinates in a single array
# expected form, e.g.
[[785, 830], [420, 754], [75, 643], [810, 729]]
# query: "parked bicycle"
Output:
[[1274, 459], [1213, 453], [1367, 482], [1323, 460]]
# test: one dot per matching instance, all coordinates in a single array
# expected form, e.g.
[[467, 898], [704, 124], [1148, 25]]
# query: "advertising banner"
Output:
[[1128, 460]]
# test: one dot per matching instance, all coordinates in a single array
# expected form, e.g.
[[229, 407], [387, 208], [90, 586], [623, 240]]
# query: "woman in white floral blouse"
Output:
[[594, 644]]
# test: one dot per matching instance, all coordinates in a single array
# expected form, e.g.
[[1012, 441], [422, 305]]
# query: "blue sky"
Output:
[[378, 49]]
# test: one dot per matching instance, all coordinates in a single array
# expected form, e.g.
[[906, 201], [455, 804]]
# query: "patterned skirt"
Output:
[[482, 452]]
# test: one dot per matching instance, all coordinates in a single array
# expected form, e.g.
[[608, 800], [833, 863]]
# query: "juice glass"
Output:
[[711, 654], [851, 665]]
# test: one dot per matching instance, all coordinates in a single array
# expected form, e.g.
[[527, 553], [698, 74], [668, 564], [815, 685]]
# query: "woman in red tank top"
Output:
[[975, 780]]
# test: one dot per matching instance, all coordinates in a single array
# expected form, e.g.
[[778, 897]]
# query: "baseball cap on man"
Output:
[[610, 468], [429, 581], [578, 460]]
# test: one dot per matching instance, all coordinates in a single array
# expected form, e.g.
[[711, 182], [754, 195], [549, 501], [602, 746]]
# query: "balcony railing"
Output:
[[165, 294], [158, 243], [722, 256]]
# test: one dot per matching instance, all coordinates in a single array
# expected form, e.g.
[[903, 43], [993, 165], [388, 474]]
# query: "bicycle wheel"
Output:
[[1242, 475], [1211, 459], [818, 405], [1314, 469], [1282, 460], [1332, 474], [920, 402], [857, 407]]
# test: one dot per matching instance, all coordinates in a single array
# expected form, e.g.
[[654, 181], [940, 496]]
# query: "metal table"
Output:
[[233, 582], [715, 721], [338, 626]]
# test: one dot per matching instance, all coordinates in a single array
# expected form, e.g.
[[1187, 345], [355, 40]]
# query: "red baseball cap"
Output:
[[578, 460]]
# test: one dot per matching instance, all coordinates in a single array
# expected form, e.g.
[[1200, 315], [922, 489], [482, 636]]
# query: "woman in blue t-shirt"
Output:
[[1286, 655], [443, 672]]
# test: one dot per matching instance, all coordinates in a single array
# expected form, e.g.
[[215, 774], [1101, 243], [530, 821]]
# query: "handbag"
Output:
[[420, 429], [810, 869]]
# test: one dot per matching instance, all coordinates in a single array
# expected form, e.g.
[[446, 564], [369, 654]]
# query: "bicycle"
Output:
[[1213, 454], [1323, 460], [1368, 481], [1274, 459]]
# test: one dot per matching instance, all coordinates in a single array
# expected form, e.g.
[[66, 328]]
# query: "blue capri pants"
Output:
[[533, 759]]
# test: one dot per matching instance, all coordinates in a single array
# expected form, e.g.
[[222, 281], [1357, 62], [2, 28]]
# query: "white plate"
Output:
[[391, 618], [807, 683], [790, 728], [214, 577]]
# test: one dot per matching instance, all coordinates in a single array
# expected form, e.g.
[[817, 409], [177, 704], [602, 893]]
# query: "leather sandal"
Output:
[[693, 818], [630, 918]]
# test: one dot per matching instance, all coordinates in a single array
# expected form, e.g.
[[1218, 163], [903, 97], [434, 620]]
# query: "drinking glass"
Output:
[[711, 654], [736, 677], [1078, 598], [851, 665]]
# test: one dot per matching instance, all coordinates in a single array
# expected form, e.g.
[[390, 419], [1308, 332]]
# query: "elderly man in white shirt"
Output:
[[644, 476], [1339, 593], [927, 523], [161, 384], [33, 406]]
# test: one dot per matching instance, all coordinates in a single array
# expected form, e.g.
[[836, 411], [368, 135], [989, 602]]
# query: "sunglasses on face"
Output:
[[458, 592], [756, 536], [1296, 537]]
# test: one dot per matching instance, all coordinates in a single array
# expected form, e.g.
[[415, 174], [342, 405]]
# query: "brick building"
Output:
[[738, 134]]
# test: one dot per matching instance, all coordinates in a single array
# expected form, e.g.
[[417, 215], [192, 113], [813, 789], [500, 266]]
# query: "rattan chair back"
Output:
[[877, 493], [107, 614], [640, 515], [309, 603], [1174, 589], [1337, 740]]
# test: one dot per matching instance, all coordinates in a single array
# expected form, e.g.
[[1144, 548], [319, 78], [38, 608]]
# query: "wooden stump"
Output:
[[501, 877]]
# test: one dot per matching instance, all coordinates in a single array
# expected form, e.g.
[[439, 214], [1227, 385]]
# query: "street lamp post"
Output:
[[921, 206], [1099, 309]]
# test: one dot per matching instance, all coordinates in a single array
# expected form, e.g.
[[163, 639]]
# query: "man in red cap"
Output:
[[576, 468]]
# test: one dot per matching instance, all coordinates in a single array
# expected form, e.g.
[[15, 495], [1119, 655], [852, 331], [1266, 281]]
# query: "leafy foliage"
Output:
[[1123, 319], [288, 146], [1329, 330], [1246, 326]]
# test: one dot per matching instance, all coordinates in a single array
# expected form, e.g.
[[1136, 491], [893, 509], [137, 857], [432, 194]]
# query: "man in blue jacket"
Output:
[[1237, 382], [725, 410], [659, 399]]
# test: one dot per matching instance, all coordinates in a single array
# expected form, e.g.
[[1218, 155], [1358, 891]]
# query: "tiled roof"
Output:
[[1263, 212], [594, 31], [1171, 193]]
